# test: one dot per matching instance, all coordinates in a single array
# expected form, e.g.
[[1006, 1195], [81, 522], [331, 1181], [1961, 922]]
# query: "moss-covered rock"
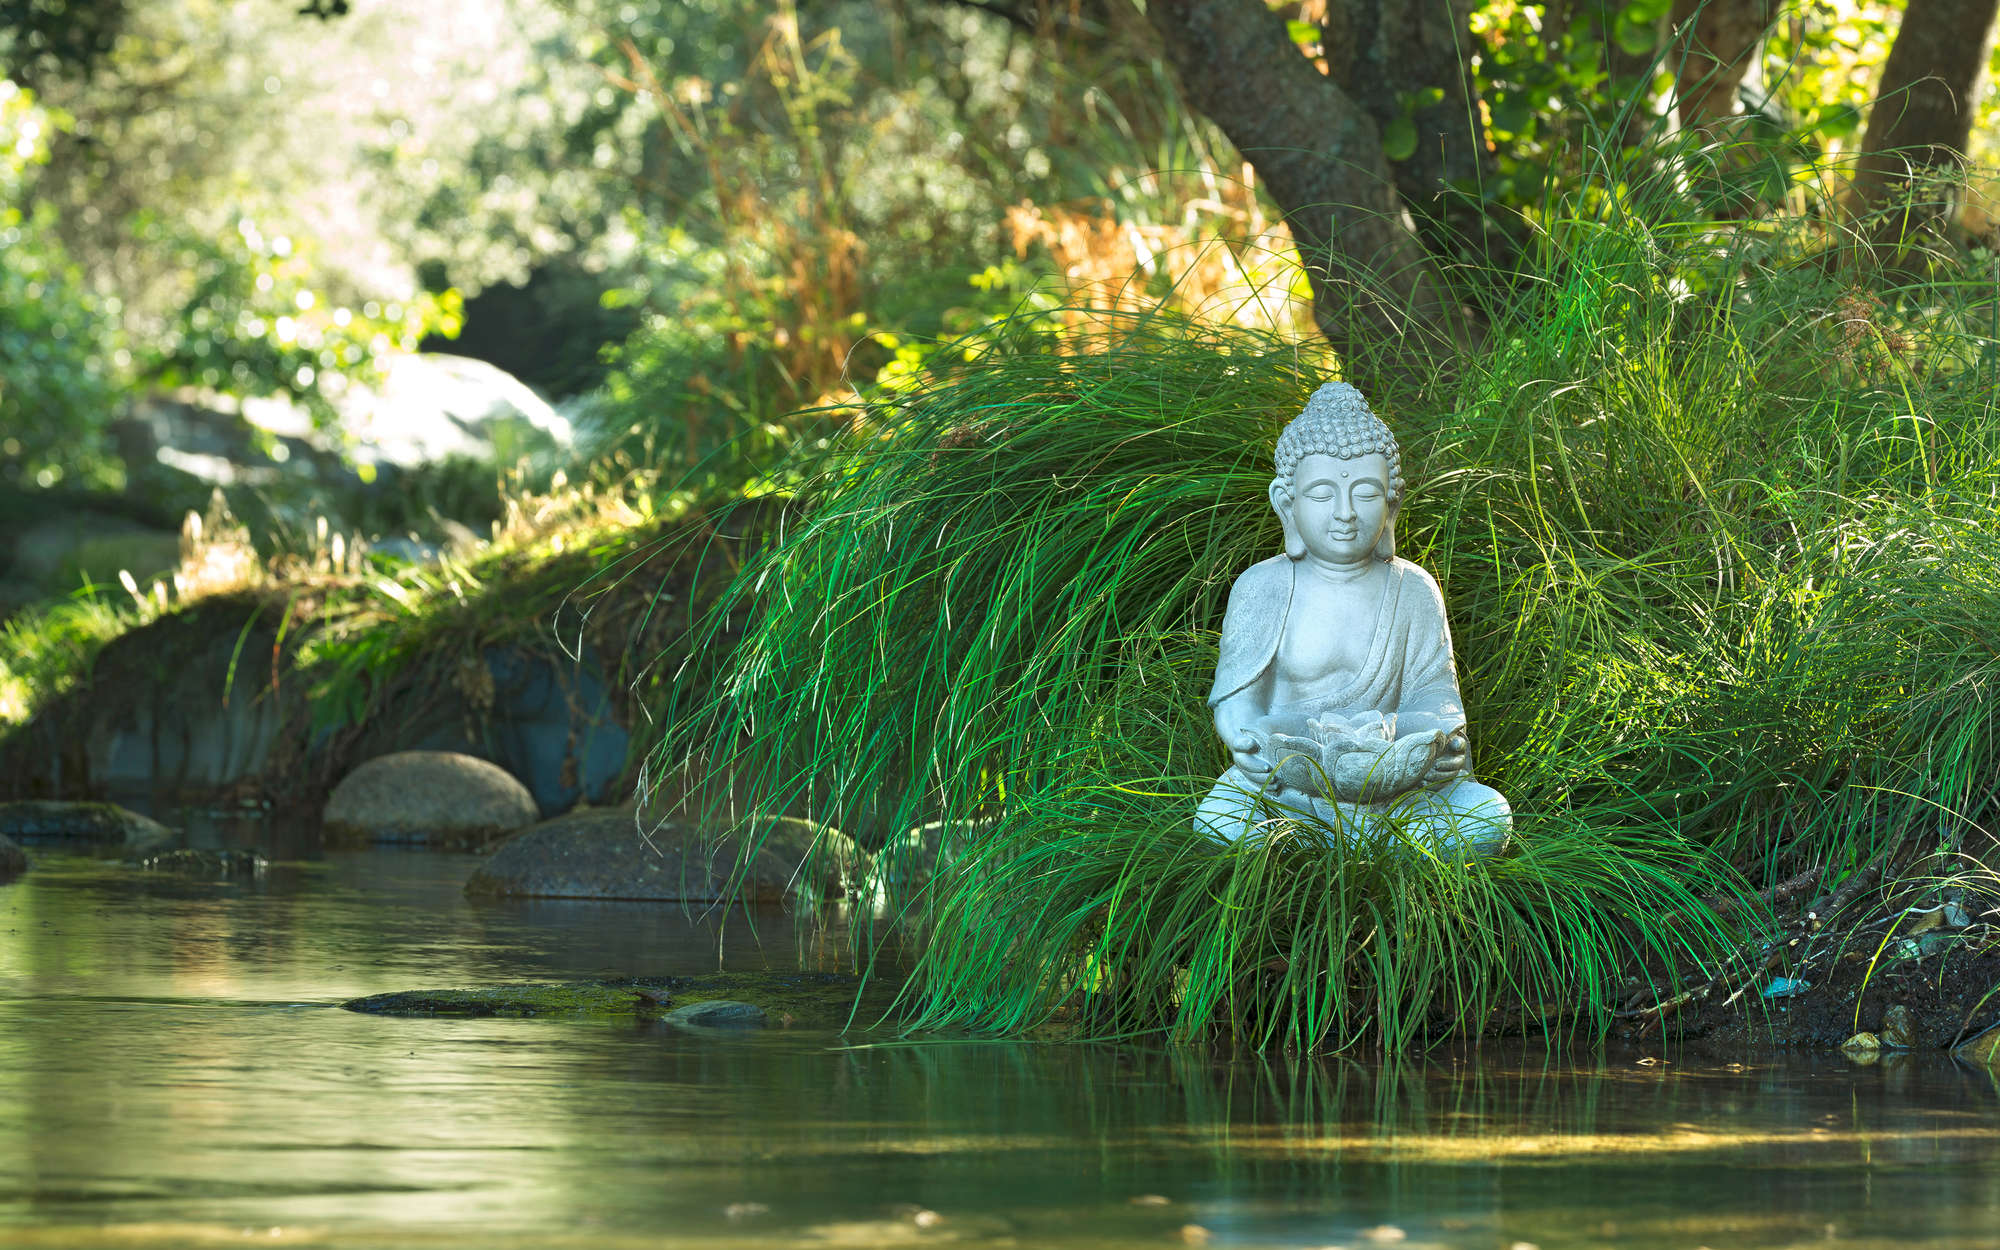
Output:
[[601, 853], [819, 1000], [82, 826]]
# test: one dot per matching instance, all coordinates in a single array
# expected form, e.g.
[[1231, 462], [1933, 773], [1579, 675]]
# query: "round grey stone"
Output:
[[439, 798]]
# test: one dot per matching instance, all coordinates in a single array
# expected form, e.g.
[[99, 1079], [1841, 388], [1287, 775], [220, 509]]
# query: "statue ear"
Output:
[[1281, 503], [1385, 546]]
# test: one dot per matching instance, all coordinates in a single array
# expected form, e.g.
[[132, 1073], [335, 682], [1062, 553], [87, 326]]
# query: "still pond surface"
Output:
[[175, 1071]]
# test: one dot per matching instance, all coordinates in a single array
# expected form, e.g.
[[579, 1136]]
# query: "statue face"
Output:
[[1336, 508]]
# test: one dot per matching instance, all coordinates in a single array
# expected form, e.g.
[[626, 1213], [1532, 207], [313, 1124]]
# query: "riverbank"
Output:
[[538, 656]]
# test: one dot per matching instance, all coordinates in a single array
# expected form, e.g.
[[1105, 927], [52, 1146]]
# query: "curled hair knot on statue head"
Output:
[[1337, 422]]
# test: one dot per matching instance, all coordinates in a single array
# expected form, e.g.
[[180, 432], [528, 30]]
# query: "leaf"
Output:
[[1399, 139], [1837, 121], [1635, 39], [1304, 34], [1512, 114]]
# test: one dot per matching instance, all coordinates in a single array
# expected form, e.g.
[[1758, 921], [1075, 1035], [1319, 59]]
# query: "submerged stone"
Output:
[[821, 1000], [719, 1013], [196, 863], [601, 853], [81, 826]]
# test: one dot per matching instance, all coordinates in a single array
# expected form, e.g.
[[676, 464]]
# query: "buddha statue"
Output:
[[1334, 692]]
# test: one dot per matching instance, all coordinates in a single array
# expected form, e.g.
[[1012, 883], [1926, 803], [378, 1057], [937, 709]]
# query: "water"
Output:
[[173, 1072]]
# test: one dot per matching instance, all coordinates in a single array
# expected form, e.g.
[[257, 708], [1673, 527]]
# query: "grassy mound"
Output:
[[1719, 533]]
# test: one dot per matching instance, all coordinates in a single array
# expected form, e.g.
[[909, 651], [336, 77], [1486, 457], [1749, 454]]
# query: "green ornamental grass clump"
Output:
[[1719, 534]]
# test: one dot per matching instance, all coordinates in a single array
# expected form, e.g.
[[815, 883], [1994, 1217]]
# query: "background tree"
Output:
[[1921, 125]]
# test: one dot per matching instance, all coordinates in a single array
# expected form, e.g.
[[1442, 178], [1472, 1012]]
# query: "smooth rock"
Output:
[[434, 797], [1984, 1048], [1899, 1028], [13, 860], [1862, 1048], [718, 1013], [81, 826], [600, 853]]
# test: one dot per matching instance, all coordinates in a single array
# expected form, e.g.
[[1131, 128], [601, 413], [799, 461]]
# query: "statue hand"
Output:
[[1451, 761], [1246, 751]]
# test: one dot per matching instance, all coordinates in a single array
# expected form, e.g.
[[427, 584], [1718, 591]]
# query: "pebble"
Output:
[[1899, 1028], [1152, 1200], [1384, 1233], [1194, 1235]]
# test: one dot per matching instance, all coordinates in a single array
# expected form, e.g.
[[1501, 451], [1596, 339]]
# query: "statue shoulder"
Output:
[[1266, 577], [1416, 587]]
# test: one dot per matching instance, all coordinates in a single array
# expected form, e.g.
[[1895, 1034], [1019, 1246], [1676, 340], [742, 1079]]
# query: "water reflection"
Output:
[[171, 1074]]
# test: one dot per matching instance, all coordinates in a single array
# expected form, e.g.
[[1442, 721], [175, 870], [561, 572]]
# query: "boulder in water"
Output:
[[434, 798], [83, 827], [601, 853]]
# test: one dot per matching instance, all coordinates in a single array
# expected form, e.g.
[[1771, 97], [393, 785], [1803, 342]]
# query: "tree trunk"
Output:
[[1320, 156], [1389, 57], [1715, 43], [1923, 109]]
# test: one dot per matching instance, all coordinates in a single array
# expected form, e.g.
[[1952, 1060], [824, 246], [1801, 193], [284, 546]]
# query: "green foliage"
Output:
[[40, 38], [812, 200], [1718, 534], [832, 196], [1100, 910], [1722, 531], [45, 651], [56, 340], [251, 322]]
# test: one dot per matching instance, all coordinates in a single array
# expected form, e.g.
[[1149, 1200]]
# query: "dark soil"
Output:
[[1829, 964]]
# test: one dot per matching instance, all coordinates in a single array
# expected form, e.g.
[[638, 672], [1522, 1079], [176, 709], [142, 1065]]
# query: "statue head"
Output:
[[1338, 423]]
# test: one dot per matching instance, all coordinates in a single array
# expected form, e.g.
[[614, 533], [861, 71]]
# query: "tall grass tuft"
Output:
[[1717, 523]]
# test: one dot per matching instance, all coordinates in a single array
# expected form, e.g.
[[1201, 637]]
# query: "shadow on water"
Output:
[[173, 1073]]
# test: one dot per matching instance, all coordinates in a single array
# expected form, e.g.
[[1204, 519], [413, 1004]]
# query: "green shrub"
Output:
[[57, 393]]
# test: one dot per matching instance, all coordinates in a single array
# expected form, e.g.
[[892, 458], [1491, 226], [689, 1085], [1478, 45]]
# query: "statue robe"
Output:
[[1409, 667]]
